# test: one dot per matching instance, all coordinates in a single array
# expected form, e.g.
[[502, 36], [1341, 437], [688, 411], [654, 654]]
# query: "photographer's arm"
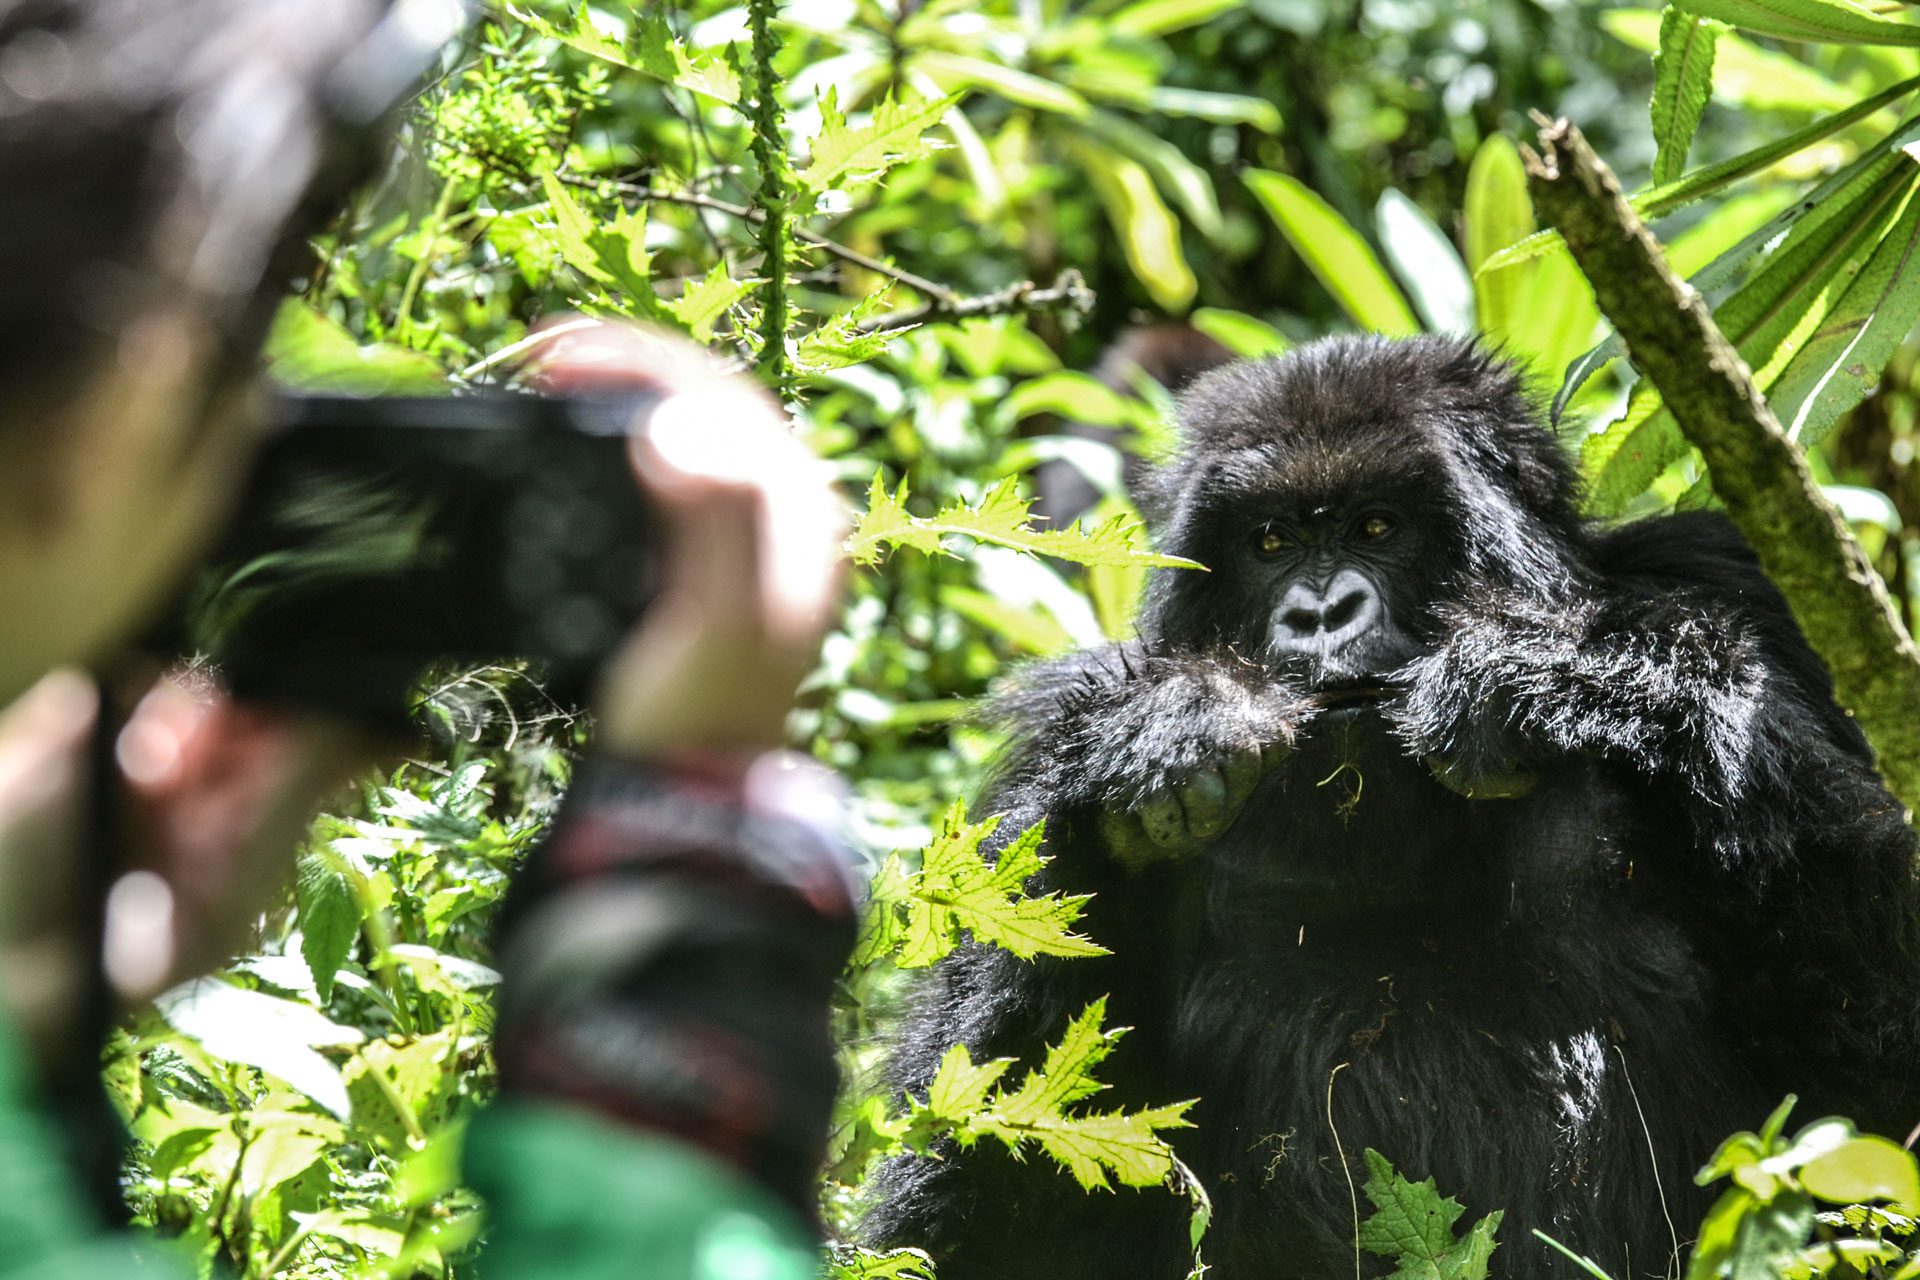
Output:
[[668, 954]]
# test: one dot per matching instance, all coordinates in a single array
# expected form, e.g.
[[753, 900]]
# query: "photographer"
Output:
[[667, 956]]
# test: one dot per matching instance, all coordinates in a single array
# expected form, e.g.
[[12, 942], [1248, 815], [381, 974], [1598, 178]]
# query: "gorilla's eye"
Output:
[[1377, 527], [1269, 541]]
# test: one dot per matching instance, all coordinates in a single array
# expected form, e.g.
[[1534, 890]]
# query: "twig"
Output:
[[1757, 471], [513, 349], [1067, 293]]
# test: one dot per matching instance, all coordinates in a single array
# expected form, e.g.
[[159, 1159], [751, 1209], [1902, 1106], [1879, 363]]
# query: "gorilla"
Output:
[[1533, 853]]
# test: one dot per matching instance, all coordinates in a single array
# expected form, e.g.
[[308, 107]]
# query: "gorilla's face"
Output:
[[1342, 588]]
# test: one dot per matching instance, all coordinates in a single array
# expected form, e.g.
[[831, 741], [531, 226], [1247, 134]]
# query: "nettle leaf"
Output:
[[891, 136], [920, 915], [330, 914], [1096, 1149], [652, 51], [1412, 1223], [1000, 518], [613, 255], [842, 341], [1682, 82], [702, 303]]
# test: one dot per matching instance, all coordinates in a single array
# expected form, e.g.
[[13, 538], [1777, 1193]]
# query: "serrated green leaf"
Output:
[[700, 305], [1816, 21], [959, 1087], [653, 51], [1413, 1224], [1682, 81], [1334, 252], [1000, 518], [330, 914], [1621, 461], [892, 135], [957, 889], [613, 255]]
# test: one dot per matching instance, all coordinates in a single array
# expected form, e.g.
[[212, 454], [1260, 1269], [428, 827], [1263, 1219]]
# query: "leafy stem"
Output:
[[774, 198]]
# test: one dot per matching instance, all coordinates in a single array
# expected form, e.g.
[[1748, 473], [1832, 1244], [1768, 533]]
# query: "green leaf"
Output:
[[840, 341], [1220, 108], [1621, 461], [282, 1144], [403, 1090], [1178, 176], [1000, 518], [1426, 261], [1863, 1169], [1032, 630], [1335, 253], [1149, 233], [653, 51], [1070, 394], [1841, 363], [1743, 74], [1145, 18], [261, 1031], [1116, 589], [700, 305], [614, 255], [1413, 1224], [1718, 1230], [959, 1088], [1244, 335], [892, 135], [308, 350], [330, 916], [957, 889], [955, 69], [1682, 80], [1499, 218], [1814, 21]]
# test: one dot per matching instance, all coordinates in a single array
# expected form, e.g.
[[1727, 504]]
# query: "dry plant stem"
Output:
[[1067, 293], [1803, 544]]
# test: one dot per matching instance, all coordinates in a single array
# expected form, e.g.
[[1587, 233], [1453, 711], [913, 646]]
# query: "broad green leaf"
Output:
[[1334, 252], [402, 1091], [1814, 21], [1657, 202], [1145, 18], [1070, 394], [1149, 233], [1245, 336], [1426, 262], [701, 304], [261, 1031], [1220, 108], [1743, 74], [1682, 79], [953, 70], [1000, 518], [1412, 1223], [892, 135], [309, 351], [1557, 317], [1499, 214], [281, 1144], [1178, 176], [330, 915], [1030, 629], [1718, 1231], [1840, 365], [1621, 461], [1863, 1169]]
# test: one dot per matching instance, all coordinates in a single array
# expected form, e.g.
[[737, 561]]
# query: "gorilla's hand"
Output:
[[1179, 820], [1165, 746]]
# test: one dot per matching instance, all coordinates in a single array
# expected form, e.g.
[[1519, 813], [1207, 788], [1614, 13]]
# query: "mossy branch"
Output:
[[774, 200], [1757, 471]]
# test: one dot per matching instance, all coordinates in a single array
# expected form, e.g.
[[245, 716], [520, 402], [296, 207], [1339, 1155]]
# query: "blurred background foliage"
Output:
[[1008, 226]]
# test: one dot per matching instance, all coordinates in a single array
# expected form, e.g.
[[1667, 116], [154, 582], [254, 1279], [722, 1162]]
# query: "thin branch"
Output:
[[1757, 471], [1068, 292]]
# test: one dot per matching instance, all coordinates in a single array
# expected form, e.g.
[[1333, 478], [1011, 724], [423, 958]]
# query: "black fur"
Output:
[[1555, 1004]]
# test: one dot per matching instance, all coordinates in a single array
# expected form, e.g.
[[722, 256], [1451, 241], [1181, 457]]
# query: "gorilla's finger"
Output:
[[1204, 797], [1161, 818], [1242, 774]]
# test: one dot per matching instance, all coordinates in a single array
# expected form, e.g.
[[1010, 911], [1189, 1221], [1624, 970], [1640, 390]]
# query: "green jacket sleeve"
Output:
[[574, 1196]]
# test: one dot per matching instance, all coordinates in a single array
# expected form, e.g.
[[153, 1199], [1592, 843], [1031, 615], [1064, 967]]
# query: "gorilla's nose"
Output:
[[1324, 620]]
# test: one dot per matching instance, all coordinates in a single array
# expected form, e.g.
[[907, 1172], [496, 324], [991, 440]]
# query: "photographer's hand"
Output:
[[753, 533]]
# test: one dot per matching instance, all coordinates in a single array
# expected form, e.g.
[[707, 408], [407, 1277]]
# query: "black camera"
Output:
[[378, 535]]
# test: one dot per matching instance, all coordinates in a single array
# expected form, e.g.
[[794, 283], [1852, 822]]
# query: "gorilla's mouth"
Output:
[[1349, 693]]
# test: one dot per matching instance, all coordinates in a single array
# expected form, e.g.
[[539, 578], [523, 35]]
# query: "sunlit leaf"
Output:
[[1334, 252], [1816, 21], [1426, 262], [1682, 80], [892, 135]]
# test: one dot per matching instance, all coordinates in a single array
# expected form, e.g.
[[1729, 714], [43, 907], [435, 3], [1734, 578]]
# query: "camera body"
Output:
[[378, 535]]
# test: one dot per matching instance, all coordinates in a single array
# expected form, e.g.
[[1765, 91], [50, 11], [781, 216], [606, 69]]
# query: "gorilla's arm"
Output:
[[1679, 661]]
